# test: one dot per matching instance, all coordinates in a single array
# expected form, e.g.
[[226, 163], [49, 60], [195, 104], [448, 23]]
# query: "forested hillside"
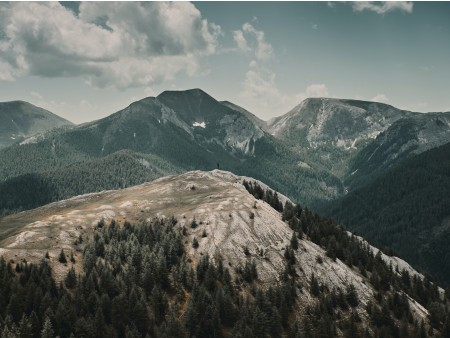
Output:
[[139, 280], [118, 170], [406, 209]]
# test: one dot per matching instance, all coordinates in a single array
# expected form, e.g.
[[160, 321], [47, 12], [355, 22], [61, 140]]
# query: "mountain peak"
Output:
[[21, 119], [194, 92]]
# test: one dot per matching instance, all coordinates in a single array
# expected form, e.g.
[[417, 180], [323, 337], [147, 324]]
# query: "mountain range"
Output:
[[325, 154]]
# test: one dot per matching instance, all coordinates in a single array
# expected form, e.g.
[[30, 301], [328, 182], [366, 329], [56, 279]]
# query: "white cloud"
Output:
[[241, 41], [382, 7], [41, 101], [313, 90], [260, 91], [120, 44], [380, 98], [259, 88], [315, 26], [263, 50]]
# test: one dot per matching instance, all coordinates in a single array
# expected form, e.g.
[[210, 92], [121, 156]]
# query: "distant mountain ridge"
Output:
[[19, 120], [328, 146], [188, 129]]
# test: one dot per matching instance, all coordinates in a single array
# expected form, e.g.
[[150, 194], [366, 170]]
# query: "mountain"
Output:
[[185, 129], [406, 209], [404, 139], [332, 131], [19, 120], [199, 255], [357, 140], [317, 153], [256, 120]]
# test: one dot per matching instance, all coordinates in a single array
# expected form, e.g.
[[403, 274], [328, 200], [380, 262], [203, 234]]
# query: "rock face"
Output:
[[19, 120], [356, 140], [229, 224], [342, 123]]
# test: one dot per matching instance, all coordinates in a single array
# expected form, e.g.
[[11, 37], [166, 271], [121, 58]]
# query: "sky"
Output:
[[87, 60]]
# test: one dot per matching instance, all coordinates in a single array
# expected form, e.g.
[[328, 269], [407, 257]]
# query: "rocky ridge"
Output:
[[230, 224]]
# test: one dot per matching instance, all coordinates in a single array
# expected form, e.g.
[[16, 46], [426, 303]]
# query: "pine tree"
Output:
[[47, 329], [315, 289], [71, 279], [352, 296], [25, 328], [62, 257], [294, 241]]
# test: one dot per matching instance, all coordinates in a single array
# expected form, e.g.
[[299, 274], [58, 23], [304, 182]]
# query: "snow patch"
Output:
[[199, 124]]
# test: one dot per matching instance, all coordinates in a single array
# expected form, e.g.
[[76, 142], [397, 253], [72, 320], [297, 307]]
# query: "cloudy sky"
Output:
[[87, 60]]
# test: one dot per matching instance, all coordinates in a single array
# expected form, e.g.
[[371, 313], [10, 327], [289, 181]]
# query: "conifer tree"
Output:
[[62, 257], [47, 329]]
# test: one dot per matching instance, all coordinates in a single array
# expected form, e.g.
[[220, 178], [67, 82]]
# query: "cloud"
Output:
[[41, 101], [122, 44], [313, 90], [315, 26], [259, 87], [249, 39], [260, 92], [380, 98], [383, 7], [241, 41]]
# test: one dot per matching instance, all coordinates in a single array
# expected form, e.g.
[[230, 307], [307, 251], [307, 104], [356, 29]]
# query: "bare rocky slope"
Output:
[[357, 140], [233, 226]]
